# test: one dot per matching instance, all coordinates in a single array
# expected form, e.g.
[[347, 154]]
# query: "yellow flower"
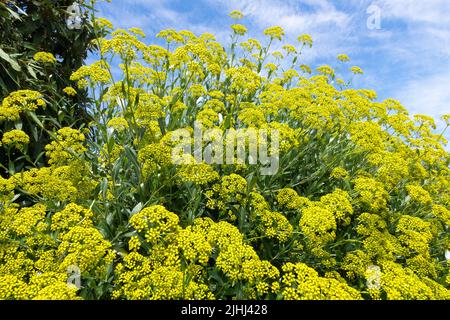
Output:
[[70, 91], [418, 194], [96, 72], [239, 29], [326, 70], [67, 145], [356, 70], [371, 194], [198, 174], [20, 101], [343, 58], [306, 39], [318, 224], [275, 32], [45, 57], [15, 138], [446, 119], [339, 173], [290, 48], [104, 23], [301, 282], [236, 15], [119, 124], [155, 223], [137, 31]]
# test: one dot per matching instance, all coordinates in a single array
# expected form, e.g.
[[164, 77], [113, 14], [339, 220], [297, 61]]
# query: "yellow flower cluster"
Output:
[[70, 91], [155, 223], [239, 29], [71, 216], [95, 73], [68, 182], [103, 23], [243, 80], [198, 174], [371, 194], [85, 248], [66, 147], [44, 57], [402, 284], [154, 157], [6, 189], [147, 277], [339, 173], [39, 253], [339, 203], [419, 194], [270, 224], [318, 224], [18, 102], [46, 286], [119, 124], [301, 282], [275, 32], [290, 200], [15, 138]]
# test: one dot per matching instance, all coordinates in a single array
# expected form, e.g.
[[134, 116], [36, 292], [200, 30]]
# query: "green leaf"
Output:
[[31, 71], [13, 13], [10, 60], [35, 119], [137, 208]]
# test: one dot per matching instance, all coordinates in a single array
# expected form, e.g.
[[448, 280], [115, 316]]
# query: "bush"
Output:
[[39, 52], [358, 208]]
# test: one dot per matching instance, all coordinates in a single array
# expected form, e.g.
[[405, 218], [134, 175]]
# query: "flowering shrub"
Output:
[[359, 208]]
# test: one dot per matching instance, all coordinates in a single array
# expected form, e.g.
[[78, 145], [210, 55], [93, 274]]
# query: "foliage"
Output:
[[38, 52]]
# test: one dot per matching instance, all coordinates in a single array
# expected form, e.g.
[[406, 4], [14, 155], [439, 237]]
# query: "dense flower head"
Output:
[[237, 15], [71, 216], [339, 202], [118, 124], [318, 224], [306, 39], [301, 282], [67, 145], [103, 23], [18, 102], [418, 194], [339, 173], [70, 91], [154, 222], [275, 32], [95, 73], [15, 138], [85, 248], [239, 29], [199, 174], [372, 194]]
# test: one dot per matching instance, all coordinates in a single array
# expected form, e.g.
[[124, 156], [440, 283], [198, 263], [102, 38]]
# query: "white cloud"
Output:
[[294, 16], [332, 29], [429, 11]]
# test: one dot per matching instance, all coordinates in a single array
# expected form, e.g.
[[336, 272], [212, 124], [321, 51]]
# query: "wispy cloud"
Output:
[[430, 11]]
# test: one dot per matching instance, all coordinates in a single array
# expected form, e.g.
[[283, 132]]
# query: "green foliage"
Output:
[[29, 27]]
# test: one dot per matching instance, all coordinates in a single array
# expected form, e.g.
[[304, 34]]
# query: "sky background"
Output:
[[406, 56]]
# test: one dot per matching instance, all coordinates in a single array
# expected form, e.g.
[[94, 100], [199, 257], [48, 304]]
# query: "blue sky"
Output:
[[406, 56]]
